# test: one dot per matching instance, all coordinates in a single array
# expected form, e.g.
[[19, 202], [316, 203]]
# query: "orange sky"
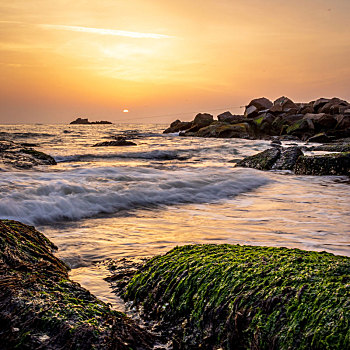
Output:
[[61, 59]]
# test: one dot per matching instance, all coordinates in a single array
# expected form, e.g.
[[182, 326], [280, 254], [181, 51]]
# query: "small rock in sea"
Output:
[[120, 142]]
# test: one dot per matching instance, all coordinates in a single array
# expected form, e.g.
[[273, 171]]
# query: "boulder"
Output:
[[329, 164], [319, 138], [203, 119], [227, 117], [225, 130], [288, 159], [343, 121], [334, 106], [322, 121], [257, 105], [177, 126], [264, 124], [319, 104], [261, 161], [303, 128], [283, 104]]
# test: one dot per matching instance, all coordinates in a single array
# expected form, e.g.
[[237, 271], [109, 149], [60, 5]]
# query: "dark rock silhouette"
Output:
[[86, 121]]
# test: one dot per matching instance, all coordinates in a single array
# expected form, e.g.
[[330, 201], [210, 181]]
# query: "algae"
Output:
[[244, 297]]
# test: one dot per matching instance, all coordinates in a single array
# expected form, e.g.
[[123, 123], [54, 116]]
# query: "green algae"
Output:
[[242, 297], [41, 308]]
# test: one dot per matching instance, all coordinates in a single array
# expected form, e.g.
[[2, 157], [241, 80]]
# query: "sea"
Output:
[[134, 202]]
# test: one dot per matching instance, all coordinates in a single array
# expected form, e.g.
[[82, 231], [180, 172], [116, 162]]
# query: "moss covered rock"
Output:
[[40, 308], [244, 297], [328, 164], [261, 161]]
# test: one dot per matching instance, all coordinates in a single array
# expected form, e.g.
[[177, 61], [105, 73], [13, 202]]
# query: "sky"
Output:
[[164, 60]]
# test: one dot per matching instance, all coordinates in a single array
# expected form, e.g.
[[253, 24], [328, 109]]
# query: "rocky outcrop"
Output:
[[283, 117], [14, 155], [293, 159], [86, 121], [243, 297], [329, 164], [41, 308]]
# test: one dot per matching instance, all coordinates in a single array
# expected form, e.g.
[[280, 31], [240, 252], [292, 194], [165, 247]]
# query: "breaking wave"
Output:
[[45, 198]]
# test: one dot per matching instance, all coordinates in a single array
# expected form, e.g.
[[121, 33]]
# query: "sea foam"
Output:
[[43, 198]]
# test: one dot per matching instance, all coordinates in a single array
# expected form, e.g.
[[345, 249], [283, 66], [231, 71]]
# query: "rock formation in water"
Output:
[[328, 119], [86, 121], [243, 297], [293, 159], [16, 155], [41, 308]]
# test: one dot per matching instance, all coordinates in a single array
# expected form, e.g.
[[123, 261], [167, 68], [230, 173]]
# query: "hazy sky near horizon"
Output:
[[165, 59]]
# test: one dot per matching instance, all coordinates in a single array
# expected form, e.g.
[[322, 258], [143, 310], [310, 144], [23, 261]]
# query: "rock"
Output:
[[334, 106], [203, 119], [261, 161], [16, 156], [257, 105], [177, 126], [120, 142], [329, 164], [41, 308], [264, 124], [340, 147], [225, 296], [288, 159], [320, 103], [303, 128], [86, 121], [283, 104], [227, 117], [319, 138], [343, 122], [224, 130], [322, 121]]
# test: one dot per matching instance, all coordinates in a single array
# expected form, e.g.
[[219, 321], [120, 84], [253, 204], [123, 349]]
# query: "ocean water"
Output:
[[138, 201]]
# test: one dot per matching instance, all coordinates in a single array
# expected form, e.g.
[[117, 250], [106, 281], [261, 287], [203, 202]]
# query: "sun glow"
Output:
[[125, 111]]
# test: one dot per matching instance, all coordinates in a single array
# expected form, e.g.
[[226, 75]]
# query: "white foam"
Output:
[[41, 198]]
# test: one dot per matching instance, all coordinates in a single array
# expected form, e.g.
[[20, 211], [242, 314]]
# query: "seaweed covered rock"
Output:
[[16, 156], [244, 297], [177, 126], [40, 308], [119, 142], [327, 164], [261, 161]]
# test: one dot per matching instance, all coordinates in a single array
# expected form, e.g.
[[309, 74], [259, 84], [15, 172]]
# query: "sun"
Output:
[[125, 111]]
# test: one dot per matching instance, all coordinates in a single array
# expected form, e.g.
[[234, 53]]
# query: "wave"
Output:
[[45, 198]]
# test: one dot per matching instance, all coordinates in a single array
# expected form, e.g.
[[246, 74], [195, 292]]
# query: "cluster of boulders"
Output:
[[322, 120], [293, 159], [119, 141], [16, 155]]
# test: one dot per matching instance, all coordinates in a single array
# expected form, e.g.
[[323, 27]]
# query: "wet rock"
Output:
[[41, 308], [319, 138], [339, 147], [177, 126], [244, 297], [261, 161], [330, 164], [224, 130], [16, 156], [322, 121], [288, 159], [303, 128], [120, 142]]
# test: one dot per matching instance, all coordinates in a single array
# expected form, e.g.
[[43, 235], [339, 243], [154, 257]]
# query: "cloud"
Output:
[[101, 31]]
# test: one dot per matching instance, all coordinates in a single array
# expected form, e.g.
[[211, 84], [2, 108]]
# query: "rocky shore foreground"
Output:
[[323, 120], [199, 296]]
